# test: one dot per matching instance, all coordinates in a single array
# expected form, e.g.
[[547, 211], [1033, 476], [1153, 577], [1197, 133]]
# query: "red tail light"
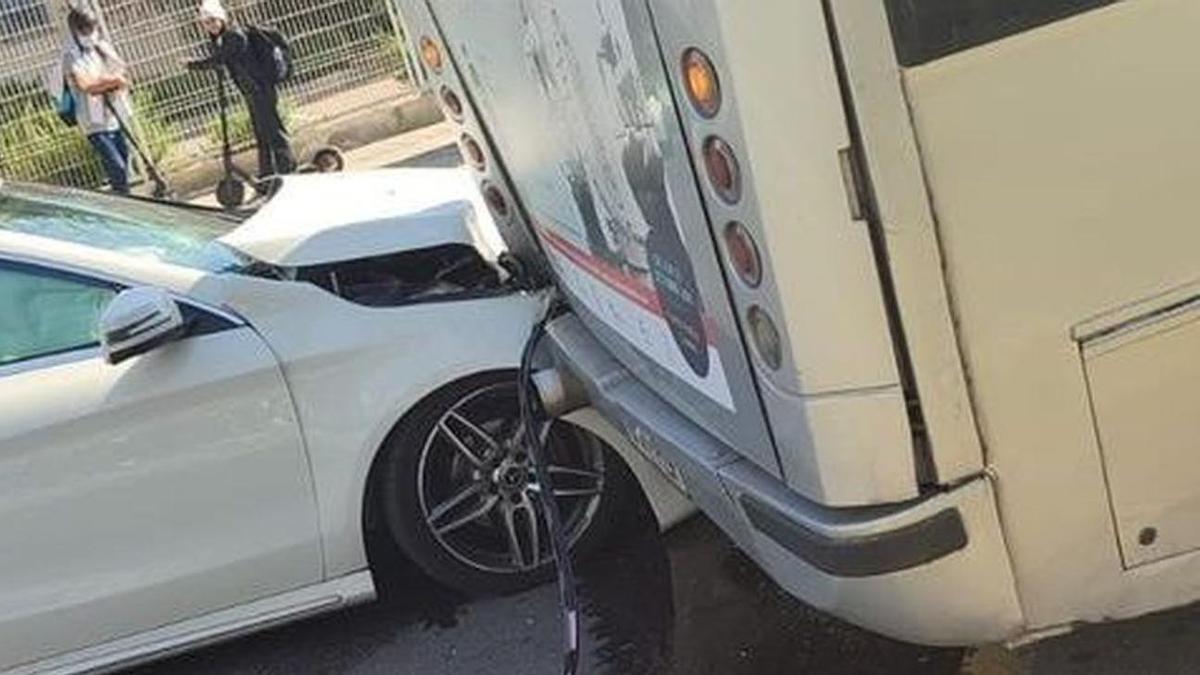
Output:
[[496, 201], [724, 173], [743, 254]]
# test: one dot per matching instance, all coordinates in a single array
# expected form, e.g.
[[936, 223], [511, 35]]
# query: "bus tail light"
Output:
[[743, 254], [766, 337], [474, 153], [700, 80], [496, 201], [452, 103], [724, 173], [431, 54]]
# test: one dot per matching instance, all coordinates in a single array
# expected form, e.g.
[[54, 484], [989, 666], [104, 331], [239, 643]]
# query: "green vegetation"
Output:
[[155, 131], [336, 43], [392, 49], [35, 145], [241, 129], [188, 92], [16, 95]]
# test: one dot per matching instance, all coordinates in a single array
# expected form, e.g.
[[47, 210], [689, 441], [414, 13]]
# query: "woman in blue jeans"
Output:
[[96, 77]]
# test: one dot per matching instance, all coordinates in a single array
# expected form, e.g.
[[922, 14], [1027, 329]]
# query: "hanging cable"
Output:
[[532, 421]]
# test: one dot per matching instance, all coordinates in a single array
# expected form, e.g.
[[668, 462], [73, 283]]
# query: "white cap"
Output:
[[213, 9]]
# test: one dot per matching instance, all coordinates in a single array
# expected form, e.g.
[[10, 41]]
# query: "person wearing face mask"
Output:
[[247, 59], [95, 76]]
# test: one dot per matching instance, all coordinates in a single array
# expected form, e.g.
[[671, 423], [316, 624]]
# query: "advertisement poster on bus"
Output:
[[593, 94]]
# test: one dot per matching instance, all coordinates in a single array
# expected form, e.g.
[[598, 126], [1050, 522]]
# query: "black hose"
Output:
[[532, 419]]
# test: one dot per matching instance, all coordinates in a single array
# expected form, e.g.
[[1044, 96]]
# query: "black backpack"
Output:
[[273, 53]]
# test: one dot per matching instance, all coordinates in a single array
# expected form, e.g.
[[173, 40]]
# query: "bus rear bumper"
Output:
[[933, 571]]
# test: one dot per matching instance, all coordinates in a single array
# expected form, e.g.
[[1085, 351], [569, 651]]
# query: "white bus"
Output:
[[905, 293]]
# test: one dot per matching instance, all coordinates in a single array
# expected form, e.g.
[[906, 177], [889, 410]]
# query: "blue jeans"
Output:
[[114, 157]]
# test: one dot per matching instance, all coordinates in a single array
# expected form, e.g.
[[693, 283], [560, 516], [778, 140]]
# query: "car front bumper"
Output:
[[932, 571]]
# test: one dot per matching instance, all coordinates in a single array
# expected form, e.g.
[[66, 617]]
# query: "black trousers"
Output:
[[275, 156]]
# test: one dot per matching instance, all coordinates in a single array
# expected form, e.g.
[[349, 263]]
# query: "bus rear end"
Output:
[[694, 176]]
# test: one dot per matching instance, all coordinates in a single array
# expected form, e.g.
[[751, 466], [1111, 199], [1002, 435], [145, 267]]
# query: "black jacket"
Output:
[[234, 50]]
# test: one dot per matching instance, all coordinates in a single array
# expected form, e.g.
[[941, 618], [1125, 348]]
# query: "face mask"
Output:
[[88, 41]]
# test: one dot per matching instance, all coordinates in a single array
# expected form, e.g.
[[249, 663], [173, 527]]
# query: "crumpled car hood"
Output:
[[323, 218]]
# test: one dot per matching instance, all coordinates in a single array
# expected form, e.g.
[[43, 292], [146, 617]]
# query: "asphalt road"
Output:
[[445, 157], [686, 603]]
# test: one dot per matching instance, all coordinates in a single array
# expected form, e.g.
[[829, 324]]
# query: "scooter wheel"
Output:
[[231, 193], [329, 160]]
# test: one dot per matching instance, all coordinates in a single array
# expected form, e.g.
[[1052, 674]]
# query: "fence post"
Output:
[[415, 74]]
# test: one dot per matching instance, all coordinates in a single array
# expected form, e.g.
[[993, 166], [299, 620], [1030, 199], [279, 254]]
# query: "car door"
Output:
[[135, 496]]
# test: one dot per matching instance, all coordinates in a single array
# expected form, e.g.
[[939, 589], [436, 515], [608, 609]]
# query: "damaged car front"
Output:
[[384, 238]]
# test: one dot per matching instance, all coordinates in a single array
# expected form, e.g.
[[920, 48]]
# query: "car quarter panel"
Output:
[[355, 371]]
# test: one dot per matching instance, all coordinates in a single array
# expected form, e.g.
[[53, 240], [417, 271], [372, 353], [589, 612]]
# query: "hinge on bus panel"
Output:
[[852, 180]]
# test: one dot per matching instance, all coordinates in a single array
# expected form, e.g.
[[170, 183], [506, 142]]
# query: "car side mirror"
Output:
[[137, 321]]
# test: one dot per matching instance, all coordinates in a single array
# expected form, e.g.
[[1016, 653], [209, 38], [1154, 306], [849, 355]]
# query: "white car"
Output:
[[201, 417]]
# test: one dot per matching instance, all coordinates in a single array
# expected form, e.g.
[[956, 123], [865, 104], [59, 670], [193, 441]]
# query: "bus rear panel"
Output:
[[864, 275]]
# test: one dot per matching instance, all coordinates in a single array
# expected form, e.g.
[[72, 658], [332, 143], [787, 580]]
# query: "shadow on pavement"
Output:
[[685, 604], [1168, 642], [692, 604]]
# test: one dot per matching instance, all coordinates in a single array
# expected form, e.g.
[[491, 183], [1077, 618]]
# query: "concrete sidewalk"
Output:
[[351, 122], [434, 144], [429, 146]]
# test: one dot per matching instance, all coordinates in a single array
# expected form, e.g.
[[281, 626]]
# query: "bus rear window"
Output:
[[925, 30]]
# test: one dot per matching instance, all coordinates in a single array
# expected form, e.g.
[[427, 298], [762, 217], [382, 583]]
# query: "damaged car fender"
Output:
[[354, 371]]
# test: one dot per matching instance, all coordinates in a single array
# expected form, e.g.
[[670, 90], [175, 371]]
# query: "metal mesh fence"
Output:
[[338, 46]]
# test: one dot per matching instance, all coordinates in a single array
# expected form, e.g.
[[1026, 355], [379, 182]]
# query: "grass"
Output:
[[172, 105], [35, 146], [392, 49], [155, 131], [241, 129]]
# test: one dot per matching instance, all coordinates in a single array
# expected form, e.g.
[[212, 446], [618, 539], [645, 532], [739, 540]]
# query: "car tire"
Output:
[[424, 469]]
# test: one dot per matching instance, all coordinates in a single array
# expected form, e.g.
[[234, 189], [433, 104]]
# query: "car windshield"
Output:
[[170, 234]]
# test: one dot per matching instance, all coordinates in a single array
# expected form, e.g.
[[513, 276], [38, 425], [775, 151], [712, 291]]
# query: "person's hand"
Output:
[[105, 84]]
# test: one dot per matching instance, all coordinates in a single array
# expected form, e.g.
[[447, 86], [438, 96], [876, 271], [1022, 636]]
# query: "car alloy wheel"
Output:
[[478, 492]]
